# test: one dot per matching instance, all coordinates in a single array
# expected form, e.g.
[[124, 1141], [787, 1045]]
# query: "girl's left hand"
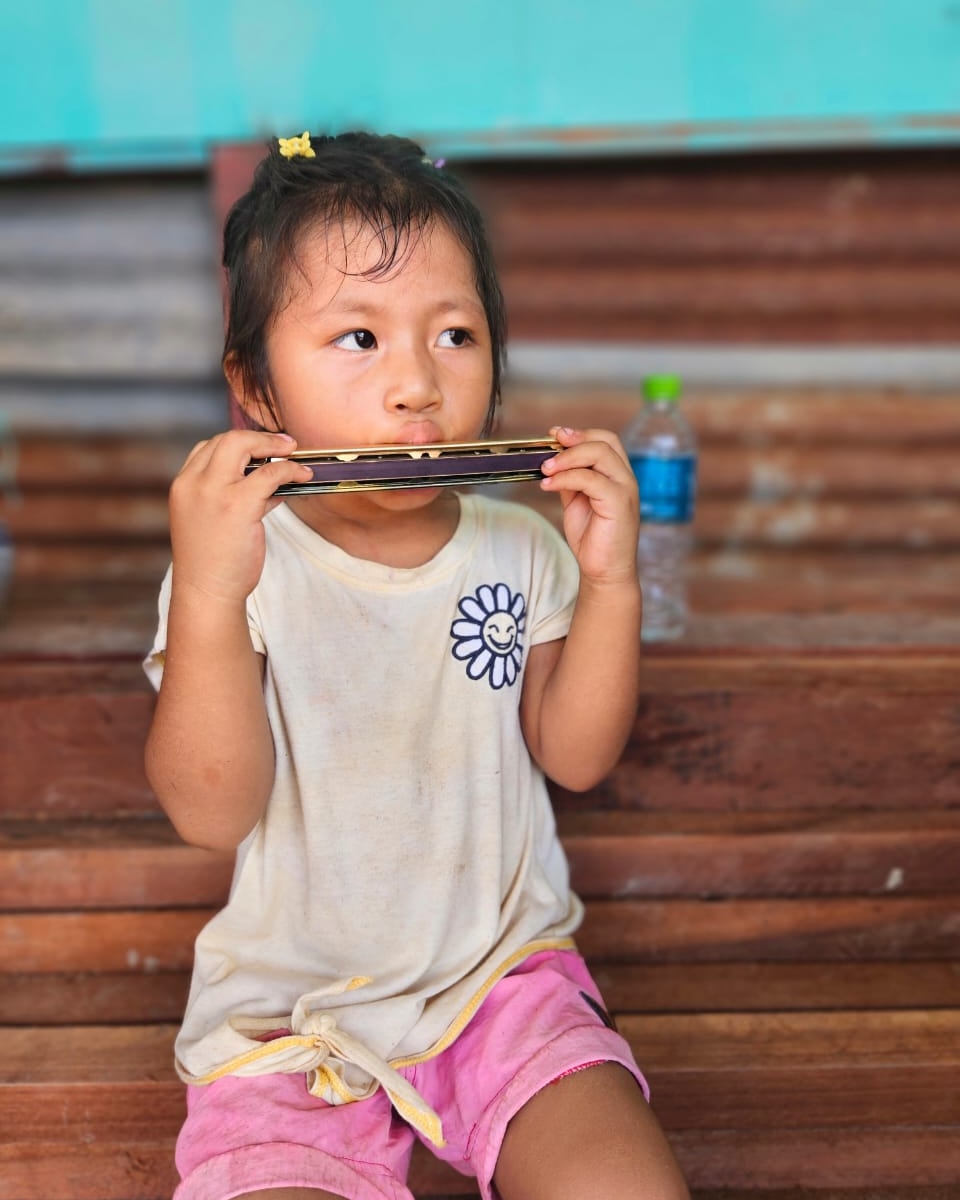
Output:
[[601, 505]]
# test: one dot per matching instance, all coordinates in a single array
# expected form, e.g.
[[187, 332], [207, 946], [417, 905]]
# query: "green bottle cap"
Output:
[[662, 387]]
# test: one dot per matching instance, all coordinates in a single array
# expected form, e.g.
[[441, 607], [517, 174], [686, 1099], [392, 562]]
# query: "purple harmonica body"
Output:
[[445, 464]]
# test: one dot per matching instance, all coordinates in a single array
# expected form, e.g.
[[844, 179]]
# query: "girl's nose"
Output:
[[412, 384]]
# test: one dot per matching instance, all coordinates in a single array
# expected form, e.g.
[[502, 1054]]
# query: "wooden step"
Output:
[[646, 931], [769, 873], [839, 248], [117, 863], [742, 599], [798, 468], [756, 1084], [138, 992], [768, 729], [844, 523], [679, 931]]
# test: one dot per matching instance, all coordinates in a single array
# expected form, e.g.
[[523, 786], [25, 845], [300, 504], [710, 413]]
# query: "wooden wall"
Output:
[[846, 248]]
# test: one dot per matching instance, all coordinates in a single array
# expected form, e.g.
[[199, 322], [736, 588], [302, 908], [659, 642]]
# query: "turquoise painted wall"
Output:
[[135, 82]]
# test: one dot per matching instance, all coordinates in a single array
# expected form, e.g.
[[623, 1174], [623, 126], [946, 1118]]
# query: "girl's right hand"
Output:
[[216, 511]]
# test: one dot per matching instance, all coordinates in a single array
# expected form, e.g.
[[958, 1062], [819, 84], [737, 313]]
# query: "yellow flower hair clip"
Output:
[[297, 147]]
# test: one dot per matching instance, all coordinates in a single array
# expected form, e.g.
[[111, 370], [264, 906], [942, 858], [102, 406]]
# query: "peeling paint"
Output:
[[794, 525]]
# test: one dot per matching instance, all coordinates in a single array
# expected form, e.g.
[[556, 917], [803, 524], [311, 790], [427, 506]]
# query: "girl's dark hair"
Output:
[[386, 182]]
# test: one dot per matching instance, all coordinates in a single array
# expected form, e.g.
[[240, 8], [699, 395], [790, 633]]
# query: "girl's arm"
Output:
[[209, 753], [580, 694]]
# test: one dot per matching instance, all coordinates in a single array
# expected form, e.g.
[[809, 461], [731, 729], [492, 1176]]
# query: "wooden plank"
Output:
[[905, 522], [93, 675], [889, 1157], [910, 929], [725, 250], [78, 619], [748, 302], [683, 1046], [115, 461], [867, 1192], [748, 420], [53, 1170], [816, 625], [761, 1168], [105, 223], [74, 743], [109, 279], [134, 515], [121, 619], [638, 931], [624, 855], [708, 1072], [94, 998], [758, 417], [131, 996], [95, 864], [159, 940], [803, 521], [74, 406], [713, 727], [777, 986], [761, 471], [827, 524], [818, 472], [69, 562], [840, 182], [708, 732], [140, 863], [768, 584], [653, 230], [801, 1041], [165, 325]]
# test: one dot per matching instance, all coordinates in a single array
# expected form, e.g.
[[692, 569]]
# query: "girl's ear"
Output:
[[248, 408]]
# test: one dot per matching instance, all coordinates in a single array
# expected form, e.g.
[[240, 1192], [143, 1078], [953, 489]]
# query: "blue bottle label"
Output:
[[667, 487]]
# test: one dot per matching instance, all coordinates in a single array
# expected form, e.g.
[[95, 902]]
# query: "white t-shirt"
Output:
[[408, 856]]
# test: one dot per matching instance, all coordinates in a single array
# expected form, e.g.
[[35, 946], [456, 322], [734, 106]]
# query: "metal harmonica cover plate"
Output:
[[441, 464]]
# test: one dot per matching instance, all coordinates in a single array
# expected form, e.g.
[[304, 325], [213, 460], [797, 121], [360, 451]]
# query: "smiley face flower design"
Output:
[[487, 634]]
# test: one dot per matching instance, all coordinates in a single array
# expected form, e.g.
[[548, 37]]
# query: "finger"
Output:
[[266, 479], [572, 437], [593, 485], [235, 448], [598, 455]]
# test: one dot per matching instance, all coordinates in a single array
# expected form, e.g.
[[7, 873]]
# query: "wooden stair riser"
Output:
[[665, 931], [140, 993], [720, 1079], [736, 732], [623, 855]]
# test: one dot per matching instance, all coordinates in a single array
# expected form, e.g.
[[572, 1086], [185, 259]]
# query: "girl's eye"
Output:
[[454, 337], [356, 339]]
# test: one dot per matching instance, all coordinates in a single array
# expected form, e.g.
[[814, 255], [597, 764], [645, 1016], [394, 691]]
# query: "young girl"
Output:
[[362, 693]]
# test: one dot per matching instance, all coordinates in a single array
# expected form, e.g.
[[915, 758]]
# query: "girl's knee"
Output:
[[591, 1134]]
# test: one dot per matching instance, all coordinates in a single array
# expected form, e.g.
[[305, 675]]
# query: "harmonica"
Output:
[[439, 464]]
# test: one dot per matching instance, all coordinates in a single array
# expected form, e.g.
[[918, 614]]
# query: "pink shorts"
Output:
[[542, 1021]]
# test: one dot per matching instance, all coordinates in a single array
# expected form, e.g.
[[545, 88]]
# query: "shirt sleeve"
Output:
[[556, 581], [154, 661]]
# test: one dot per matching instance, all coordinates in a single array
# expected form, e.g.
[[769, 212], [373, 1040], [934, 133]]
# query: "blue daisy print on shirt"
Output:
[[487, 634]]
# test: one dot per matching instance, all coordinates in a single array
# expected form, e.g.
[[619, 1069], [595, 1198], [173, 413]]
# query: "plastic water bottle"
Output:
[[663, 453]]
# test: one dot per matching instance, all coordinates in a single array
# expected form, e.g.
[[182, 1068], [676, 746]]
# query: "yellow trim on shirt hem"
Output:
[[469, 1010], [453, 1031]]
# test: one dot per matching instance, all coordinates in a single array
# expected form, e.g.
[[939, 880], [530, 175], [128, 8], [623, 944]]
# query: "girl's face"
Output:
[[404, 358]]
